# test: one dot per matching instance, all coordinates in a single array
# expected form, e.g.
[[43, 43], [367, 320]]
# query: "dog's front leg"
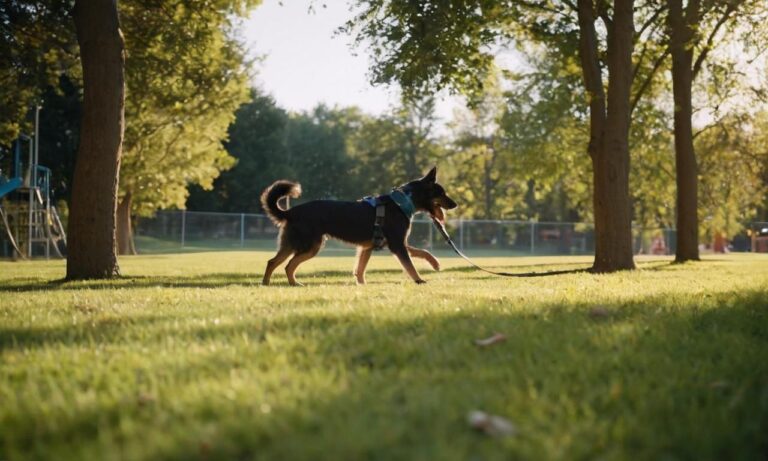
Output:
[[401, 252], [424, 254], [363, 255]]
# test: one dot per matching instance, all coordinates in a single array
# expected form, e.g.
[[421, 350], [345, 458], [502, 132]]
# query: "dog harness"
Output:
[[403, 201]]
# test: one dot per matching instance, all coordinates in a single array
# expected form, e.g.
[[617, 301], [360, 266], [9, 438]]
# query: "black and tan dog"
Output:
[[303, 228]]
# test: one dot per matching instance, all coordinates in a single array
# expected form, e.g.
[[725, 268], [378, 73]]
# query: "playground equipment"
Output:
[[31, 224]]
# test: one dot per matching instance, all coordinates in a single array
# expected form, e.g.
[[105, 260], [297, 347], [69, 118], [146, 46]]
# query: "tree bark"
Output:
[[682, 29], [125, 242], [609, 132], [92, 249]]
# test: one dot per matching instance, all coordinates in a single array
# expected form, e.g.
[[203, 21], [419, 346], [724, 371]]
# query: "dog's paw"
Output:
[[420, 281]]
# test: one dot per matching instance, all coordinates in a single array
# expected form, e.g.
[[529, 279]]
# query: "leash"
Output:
[[449, 241]]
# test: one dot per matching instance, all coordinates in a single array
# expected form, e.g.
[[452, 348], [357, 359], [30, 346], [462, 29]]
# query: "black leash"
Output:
[[449, 241]]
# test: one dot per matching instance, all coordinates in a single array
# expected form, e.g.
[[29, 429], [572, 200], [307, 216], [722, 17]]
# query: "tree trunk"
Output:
[[125, 242], [681, 46], [94, 194], [609, 133]]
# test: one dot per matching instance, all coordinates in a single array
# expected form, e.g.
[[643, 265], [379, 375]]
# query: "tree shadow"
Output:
[[657, 375], [647, 378], [216, 280]]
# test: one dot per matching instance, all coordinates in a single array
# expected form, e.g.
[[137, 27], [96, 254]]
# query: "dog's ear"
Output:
[[431, 176]]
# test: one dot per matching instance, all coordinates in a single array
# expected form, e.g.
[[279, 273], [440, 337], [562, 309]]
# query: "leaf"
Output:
[[495, 426], [491, 340]]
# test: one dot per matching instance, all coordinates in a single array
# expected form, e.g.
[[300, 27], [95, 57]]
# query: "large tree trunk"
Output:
[[125, 242], [681, 47], [609, 133], [94, 194]]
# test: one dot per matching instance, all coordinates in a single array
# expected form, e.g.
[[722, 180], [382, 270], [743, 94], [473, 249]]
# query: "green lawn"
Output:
[[187, 357]]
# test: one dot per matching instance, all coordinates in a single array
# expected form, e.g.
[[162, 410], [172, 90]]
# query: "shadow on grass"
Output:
[[680, 381], [657, 377], [223, 279]]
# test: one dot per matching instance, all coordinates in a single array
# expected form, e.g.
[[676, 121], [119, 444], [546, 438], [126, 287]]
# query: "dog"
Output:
[[304, 228]]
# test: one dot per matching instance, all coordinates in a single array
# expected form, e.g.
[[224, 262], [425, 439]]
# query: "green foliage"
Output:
[[270, 144], [733, 161], [518, 152], [185, 78], [665, 362], [652, 177], [393, 149], [37, 43], [185, 75], [425, 45], [256, 141]]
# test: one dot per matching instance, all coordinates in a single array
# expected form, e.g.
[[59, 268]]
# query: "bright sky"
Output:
[[306, 64]]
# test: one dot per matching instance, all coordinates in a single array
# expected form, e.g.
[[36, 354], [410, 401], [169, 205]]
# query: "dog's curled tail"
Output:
[[275, 192]]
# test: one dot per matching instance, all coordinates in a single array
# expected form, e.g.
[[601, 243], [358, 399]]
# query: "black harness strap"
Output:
[[378, 226]]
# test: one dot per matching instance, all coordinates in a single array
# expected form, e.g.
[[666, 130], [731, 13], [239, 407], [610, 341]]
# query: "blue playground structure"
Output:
[[31, 224]]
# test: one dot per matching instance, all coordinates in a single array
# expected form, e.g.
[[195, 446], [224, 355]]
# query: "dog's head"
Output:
[[427, 195]]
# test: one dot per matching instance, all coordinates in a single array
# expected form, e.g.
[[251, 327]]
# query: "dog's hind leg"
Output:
[[293, 264], [282, 254], [424, 254], [363, 255]]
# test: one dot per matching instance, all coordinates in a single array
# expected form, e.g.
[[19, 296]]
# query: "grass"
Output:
[[187, 357]]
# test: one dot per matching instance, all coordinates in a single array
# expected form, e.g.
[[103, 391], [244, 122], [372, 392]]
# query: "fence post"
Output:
[[533, 235], [430, 237], [183, 226], [242, 230], [753, 232]]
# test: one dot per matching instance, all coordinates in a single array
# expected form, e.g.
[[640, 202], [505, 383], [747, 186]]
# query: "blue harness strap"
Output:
[[403, 202]]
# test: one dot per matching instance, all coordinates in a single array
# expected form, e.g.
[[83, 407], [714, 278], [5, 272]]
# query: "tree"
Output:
[[187, 75], [393, 148], [37, 43], [91, 245], [480, 154], [682, 25], [256, 141], [733, 164], [270, 144], [446, 45], [685, 24]]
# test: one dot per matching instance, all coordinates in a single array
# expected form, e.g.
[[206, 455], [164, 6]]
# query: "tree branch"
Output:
[[732, 7], [648, 79], [651, 21]]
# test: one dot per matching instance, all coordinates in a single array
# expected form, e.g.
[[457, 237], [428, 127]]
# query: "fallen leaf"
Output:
[[490, 341], [145, 399], [599, 312], [492, 425]]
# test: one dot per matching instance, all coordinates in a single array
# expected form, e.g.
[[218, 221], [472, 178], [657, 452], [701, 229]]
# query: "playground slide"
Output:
[[6, 188], [9, 186]]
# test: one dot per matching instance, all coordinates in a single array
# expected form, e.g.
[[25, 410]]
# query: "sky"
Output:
[[305, 63]]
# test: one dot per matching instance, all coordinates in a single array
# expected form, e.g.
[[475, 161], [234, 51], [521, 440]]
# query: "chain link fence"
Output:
[[182, 231], [758, 238]]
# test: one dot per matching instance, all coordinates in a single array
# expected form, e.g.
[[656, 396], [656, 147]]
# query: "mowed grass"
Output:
[[188, 357]]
